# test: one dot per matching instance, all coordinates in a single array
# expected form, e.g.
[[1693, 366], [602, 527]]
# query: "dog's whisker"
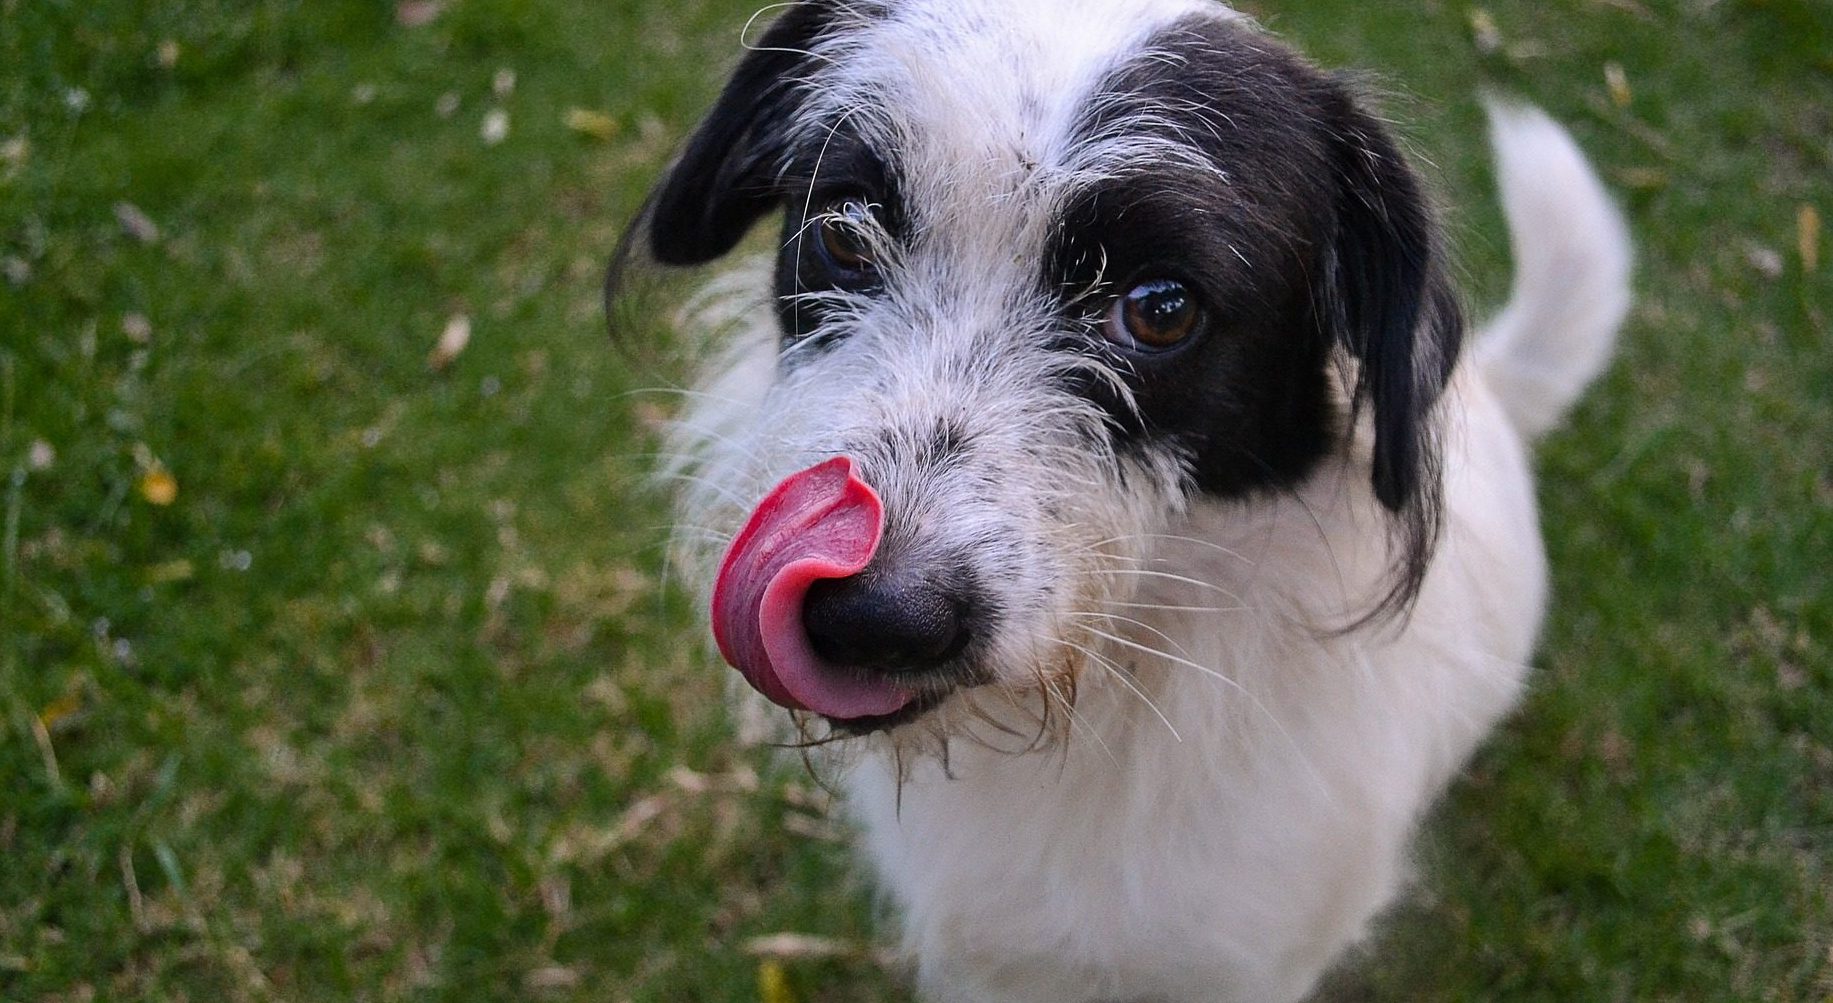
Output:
[[704, 534], [1174, 538], [1141, 624], [674, 391], [707, 483], [681, 431], [1174, 608], [1121, 675], [669, 460], [1076, 719], [1298, 750], [744, 35], [1165, 575]]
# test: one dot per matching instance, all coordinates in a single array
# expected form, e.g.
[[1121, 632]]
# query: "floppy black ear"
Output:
[[1389, 302], [727, 176]]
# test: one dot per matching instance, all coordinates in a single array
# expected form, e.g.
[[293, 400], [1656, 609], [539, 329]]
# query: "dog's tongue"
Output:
[[823, 522]]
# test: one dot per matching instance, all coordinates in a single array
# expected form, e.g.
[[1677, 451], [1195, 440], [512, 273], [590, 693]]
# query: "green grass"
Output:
[[390, 702]]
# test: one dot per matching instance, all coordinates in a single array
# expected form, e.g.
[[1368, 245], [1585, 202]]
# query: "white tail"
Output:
[[1572, 271]]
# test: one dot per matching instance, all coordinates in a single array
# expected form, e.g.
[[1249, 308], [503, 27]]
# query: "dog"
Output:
[[1096, 472]]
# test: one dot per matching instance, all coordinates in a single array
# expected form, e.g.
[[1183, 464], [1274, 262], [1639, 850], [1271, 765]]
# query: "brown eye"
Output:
[[840, 236], [1156, 313]]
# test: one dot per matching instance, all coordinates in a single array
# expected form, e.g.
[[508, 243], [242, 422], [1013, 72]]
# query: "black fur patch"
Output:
[[729, 174], [842, 167], [1316, 237]]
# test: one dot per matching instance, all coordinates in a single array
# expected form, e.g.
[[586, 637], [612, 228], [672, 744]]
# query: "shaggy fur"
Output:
[[1234, 612]]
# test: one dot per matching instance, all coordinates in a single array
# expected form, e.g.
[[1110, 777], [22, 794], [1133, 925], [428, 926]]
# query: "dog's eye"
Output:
[[840, 239], [1155, 314]]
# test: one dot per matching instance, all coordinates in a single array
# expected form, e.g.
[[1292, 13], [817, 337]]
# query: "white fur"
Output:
[[1572, 270], [1233, 803], [1230, 850]]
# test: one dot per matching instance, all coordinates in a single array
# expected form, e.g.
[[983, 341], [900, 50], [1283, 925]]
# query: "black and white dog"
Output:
[[1100, 465]]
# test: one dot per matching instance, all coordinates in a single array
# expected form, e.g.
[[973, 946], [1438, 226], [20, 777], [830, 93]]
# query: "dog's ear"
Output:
[[1387, 299], [727, 176]]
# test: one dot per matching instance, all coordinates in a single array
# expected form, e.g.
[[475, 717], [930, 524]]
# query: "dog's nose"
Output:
[[886, 622]]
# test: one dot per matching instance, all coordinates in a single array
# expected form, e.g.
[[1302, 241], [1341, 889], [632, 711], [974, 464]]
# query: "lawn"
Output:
[[337, 666]]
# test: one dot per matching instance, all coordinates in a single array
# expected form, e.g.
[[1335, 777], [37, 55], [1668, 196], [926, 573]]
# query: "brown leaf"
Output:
[[179, 570], [417, 13], [1766, 260], [1807, 237], [773, 983], [63, 707], [1646, 178], [159, 487], [452, 340], [1483, 31], [1618, 82], [16, 151], [135, 223], [138, 329], [495, 127], [788, 946], [551, 977], [587, 122]]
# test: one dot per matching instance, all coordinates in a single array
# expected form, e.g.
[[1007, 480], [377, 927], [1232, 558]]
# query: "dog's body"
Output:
[[1231, 849], [1211, 609]]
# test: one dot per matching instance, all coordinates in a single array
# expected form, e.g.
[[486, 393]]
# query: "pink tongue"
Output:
[[821, 523]]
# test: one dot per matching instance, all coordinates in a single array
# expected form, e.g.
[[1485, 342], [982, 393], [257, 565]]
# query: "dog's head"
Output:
[[1051, 271]]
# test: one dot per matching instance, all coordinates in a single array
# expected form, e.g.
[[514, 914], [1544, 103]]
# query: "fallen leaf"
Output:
[[159, 487], [447, 105], [179, 570], [773, 983], [1629, 7], [1766, 260], [138, 329], [651, 415], [635, 818], [816, 829], [135, 223], [495, 128], [503, 82], [168, 53], [1807, 237], [18, 270], [1483, 31], [1642, 177], [40, 455], [549, 977], [1618, 82], [417, 13], [61, 708], [452, 340], [798, 947], [587, 122]]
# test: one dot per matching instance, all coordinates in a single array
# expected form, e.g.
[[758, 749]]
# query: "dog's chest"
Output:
[[1146, 869]]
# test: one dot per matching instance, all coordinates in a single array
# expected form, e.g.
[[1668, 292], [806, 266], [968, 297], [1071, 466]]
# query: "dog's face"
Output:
[[1050, 273]]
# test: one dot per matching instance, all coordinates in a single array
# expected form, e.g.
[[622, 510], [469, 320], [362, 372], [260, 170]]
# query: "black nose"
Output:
[[890, 622]]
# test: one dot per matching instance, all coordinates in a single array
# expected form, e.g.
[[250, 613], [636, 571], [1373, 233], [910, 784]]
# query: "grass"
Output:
[[390, 700]]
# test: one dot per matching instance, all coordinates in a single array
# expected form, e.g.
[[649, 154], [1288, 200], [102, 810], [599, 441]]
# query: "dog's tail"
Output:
[[1572, 271]]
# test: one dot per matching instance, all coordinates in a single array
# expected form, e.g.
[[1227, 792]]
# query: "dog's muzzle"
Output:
[[800, 612]]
